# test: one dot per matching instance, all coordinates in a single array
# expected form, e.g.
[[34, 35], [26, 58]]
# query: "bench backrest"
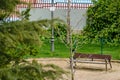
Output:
[[93, 56]]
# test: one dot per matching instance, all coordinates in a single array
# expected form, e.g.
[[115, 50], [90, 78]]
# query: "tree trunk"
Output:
[[68, 22], [69, 39]]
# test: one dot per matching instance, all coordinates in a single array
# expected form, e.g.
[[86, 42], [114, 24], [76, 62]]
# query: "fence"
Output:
[[59, 4]]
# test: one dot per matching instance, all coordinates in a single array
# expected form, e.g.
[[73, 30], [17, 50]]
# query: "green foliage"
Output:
[[61, 31], [26, 14], [6, 10], [104, 21], [7, 7], [24, 38], [78, 41], [32, 71], [20, 38]]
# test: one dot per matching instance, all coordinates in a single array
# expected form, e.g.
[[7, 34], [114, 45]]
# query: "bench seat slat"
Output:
[[93, 62]]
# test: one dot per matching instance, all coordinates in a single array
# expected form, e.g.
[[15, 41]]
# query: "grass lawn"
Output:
[[61, 51], [93, 48]]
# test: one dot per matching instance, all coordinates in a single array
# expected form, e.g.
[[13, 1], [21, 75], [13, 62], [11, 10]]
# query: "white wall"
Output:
[[78, 16]]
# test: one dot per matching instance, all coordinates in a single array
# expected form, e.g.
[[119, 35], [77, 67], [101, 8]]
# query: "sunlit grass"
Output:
[[61, 51]]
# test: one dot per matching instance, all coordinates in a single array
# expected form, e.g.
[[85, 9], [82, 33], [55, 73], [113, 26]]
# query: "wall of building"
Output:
[[77, 16]]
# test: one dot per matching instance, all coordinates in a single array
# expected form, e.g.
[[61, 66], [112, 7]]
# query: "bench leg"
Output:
[[110, 64], [92, 59], [106, 64]]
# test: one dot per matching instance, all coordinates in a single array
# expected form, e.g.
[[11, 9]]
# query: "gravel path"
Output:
[[85, 71]]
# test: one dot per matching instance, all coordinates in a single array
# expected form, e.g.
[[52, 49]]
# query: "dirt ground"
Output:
[[85, 71]]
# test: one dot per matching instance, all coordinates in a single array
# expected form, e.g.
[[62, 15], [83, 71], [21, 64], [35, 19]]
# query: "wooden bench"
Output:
[[92, 58]]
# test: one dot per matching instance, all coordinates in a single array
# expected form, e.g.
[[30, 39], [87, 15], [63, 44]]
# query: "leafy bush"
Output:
[[104, 21]]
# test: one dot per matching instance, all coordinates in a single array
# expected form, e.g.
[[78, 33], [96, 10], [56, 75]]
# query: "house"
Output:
[[40, 9]]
